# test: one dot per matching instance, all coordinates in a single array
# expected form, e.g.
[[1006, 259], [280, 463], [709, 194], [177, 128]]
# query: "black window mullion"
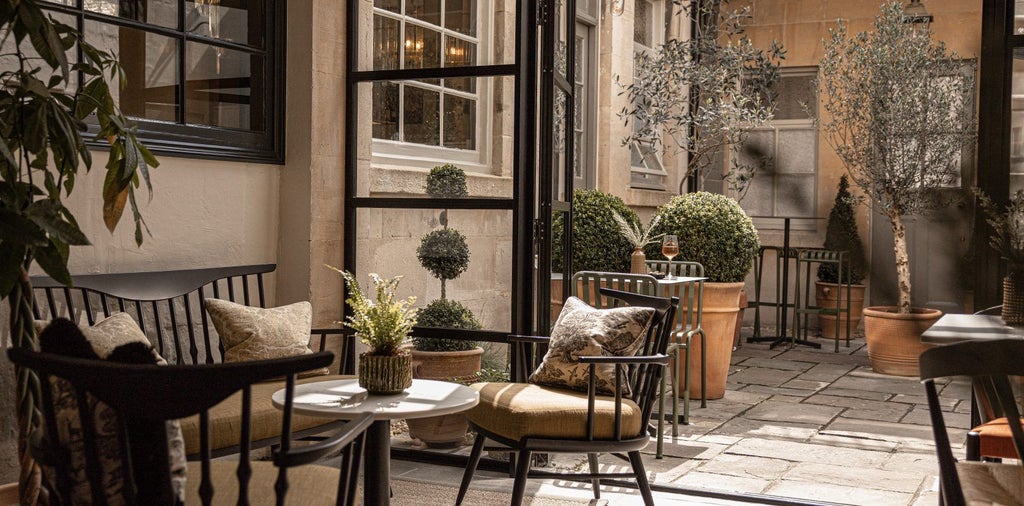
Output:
[[181, 63]]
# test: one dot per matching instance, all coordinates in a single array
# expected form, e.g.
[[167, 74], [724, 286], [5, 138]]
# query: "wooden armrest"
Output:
[[640, 359], [311, 453]]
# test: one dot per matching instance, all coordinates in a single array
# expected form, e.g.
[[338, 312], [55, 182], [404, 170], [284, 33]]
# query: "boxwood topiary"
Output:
[[713, 230], [445, 254], [598, 245], [447, 181], [841, 235], [449, 314]]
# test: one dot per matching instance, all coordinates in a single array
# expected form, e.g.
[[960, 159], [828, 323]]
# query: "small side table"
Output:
[[344, 398]]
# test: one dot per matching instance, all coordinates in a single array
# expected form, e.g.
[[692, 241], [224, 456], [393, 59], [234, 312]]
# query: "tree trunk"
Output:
[[899, 234], [29, 393]]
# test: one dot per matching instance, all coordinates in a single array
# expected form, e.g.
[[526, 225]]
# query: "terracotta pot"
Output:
[[744, 303], [721, 306], [894, 339], [9, 494], [825, 297], [638, 262], [448, 430], [385, 375]]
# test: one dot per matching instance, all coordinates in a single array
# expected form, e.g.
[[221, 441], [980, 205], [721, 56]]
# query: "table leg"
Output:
[[785, 296], [377, 464]]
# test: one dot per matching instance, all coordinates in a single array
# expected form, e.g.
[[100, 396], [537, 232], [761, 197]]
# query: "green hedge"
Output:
[[598, 244], [449, 314]]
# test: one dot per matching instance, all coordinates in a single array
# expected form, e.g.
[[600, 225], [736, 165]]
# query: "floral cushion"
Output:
[[253, 333], [584, 331]]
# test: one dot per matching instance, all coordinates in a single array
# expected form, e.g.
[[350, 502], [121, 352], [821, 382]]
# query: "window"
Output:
[[785, 153], [203, 76], [443, 114], [649, 19]]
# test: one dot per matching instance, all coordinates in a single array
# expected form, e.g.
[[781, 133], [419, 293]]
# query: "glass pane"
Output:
[[424, 10], [9, 59], [386, 36], [150, 64], [1017, 121], [460, 16], [416, 126], [643, 23], [388, 5], [758, 150], [391, 242], [795, 195], [422, 47], [421, 120], [459, 122], [797, 98], [797, 151], [162, 13], [240, 22], [759, 197], [385, 110], [1018, 17], [219, 87], [459, 53]]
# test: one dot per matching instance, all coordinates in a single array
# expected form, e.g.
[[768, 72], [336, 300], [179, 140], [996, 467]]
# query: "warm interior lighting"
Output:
[[914, 12]]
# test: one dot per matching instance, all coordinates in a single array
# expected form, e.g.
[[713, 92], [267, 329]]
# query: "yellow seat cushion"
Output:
[[517, 410], [996, 439], [226, 417], [307, 485]]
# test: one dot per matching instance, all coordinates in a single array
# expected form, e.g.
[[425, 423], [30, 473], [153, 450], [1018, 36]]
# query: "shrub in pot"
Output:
[[714, 231], [598, 243], [908, 147], [841, 235], [445, 254]]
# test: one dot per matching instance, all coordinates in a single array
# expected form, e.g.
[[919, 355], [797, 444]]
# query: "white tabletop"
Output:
[[677, 280], [952, 328], [344, 398]]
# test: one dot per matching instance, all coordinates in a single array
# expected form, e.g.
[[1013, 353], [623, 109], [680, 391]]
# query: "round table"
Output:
[[344, 398]]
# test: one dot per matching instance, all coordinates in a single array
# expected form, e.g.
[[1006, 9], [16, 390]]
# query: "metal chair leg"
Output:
[[474, 459], [641, 479], [594, 469], [522, 473]]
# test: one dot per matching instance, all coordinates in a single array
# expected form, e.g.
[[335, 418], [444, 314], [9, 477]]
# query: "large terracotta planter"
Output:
[[721, 306], [894, 339], [447, 430], [825, 295]]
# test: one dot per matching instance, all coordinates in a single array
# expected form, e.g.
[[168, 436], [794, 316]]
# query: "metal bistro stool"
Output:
[[759, 301], [807, 258]]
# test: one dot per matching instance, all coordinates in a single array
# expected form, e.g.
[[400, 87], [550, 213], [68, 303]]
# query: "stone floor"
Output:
[[805, 424]]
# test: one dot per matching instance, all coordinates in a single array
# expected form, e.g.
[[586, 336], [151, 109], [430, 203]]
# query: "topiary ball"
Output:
[[444, 253], [598, 244], [713, 230], [447, 181], [449, 314]]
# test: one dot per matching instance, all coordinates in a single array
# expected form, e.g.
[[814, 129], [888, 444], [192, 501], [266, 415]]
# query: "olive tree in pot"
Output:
[[45, 103], [445, 253], [841, 235], [714, 231], [899, 117]]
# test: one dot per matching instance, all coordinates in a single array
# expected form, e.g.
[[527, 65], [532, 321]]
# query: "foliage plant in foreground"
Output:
[[381, 323]]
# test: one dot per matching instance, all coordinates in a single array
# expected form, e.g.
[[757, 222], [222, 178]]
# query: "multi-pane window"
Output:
[[201, 74], [409, 34], [784, 152], [648, 34]]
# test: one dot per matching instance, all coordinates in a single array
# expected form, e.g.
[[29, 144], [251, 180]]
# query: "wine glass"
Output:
[[669, 248]]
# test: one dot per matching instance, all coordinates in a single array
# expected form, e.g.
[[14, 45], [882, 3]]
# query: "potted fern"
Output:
[[1008, 240], [639, 237]]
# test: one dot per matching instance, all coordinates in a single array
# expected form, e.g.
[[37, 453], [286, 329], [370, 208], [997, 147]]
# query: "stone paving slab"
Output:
[[826, 372], [796, 393], [852, 382], [835, 474], [860, 394], [777, 363], [750, 467], [921, 416], [838, 493], [802, 384], [762, 376], [777, 411], [883, 431], [826, 358], [850, 441], [724, 482], [804, 452], [742, 427]]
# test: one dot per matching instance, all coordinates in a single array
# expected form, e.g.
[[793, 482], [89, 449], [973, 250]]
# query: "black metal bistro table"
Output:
[[344, 398], [781, 324]]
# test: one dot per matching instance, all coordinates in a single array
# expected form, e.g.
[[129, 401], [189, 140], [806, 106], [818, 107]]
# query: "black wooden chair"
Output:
[[145, 397], [607, 424], [995, 369]]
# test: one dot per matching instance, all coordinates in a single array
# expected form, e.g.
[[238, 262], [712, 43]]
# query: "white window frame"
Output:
[[408, 154], [651, 174]]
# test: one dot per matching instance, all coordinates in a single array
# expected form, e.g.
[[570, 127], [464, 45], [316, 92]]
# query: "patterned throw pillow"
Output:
[[584, 331], [253, 333], [116, 338]]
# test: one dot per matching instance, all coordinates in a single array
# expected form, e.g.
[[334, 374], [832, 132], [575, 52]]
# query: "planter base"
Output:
[[894, 339]]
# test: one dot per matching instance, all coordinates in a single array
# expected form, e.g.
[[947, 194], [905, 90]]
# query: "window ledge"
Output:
[[406, 181]]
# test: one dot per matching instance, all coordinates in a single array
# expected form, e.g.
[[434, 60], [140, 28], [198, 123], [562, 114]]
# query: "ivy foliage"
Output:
[[598, 243], [841, 235], [449, 314], [713, 230]]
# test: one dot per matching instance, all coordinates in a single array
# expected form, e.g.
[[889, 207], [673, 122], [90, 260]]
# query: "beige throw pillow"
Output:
[[584, 331], [253, 333]]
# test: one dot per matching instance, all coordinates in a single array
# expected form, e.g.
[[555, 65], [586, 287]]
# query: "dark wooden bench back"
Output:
[[169, 307]]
